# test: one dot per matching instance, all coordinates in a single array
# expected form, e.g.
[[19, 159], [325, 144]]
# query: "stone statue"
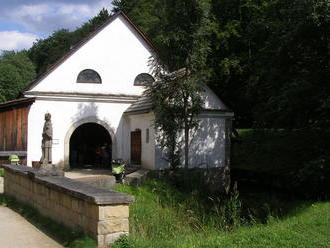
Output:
[[46, 145]]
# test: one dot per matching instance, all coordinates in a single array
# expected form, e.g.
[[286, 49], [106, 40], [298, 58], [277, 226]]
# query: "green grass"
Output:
[[164, 216], [2, 172], [64, 235], [167, 214]]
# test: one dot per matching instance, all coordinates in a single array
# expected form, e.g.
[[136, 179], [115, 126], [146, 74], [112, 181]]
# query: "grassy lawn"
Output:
[[1, 172], [163, 216]]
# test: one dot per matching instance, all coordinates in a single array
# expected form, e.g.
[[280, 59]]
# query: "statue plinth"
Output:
[[49, 170], [46, 168]]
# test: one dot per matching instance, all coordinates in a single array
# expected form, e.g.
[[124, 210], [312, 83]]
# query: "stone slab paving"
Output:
[[17, 232], [81, 173]]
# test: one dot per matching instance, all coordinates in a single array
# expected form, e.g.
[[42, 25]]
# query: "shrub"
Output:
[[314, 177]]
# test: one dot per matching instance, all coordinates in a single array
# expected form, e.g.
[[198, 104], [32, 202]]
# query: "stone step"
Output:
[[101, 181], [137, 177]]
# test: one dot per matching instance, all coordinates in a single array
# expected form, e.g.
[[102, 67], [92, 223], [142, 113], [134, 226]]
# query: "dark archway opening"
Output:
[[90, 147]]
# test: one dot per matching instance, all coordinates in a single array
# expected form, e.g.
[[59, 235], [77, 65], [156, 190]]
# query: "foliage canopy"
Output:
[[267, 60], [16, 70]]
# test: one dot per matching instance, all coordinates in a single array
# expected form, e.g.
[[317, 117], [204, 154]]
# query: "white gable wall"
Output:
[[207, 146], [116, 53], [211, 100]]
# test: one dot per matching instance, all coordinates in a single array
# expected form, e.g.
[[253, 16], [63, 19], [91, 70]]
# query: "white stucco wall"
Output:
[[66, 115], [117, 53], [144, 122], [206, 147]]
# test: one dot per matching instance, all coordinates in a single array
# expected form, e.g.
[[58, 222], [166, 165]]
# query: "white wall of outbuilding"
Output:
[[207, 144]]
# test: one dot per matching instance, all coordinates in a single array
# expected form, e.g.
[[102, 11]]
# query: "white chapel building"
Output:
[[94, 96]]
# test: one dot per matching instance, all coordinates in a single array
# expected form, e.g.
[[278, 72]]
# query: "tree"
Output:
[[16, 71], [265, 57], [177, 101], [46, 52], [277, 60], [177, 97]]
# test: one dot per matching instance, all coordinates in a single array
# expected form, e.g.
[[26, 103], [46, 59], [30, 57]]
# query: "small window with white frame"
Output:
[[89, 76], [143, 79]]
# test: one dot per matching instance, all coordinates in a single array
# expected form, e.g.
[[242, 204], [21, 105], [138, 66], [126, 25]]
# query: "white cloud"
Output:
[[44, 17], [15, 40]]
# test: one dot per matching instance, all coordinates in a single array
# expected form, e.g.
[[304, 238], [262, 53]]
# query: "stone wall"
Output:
[[101, 213]]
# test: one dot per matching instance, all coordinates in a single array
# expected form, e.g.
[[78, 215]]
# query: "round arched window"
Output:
[[143, 79], [89, 76]]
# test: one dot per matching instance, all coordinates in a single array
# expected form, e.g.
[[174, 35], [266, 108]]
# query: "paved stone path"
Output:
[[17, 232], [81, 173]]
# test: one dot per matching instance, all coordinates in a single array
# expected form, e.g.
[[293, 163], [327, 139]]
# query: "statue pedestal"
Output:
[[49, 170]]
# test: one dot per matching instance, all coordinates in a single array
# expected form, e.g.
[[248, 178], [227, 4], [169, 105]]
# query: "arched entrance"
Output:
[[90, 146]]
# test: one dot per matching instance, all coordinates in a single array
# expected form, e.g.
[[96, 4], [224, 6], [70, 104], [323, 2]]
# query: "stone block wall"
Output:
[[101, 213]]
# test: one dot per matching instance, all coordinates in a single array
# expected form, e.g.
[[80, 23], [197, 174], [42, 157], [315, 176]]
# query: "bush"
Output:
[[278, 151], [296, 161], [314, 177]]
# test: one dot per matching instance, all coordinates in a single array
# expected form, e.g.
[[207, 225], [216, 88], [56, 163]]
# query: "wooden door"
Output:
[[136, 147]]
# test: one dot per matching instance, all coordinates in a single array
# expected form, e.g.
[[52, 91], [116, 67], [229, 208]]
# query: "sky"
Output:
[[24, 21]]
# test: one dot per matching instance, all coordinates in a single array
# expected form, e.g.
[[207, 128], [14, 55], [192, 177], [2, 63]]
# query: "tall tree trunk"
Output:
[[186, 132], [186, 145]]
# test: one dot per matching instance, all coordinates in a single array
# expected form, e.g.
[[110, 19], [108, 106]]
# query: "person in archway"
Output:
[[105, 155]]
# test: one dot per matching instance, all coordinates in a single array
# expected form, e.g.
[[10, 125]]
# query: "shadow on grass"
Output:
[[261, 203]]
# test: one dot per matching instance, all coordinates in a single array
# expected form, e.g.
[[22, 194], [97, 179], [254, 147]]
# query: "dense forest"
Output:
[[267, 60]]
